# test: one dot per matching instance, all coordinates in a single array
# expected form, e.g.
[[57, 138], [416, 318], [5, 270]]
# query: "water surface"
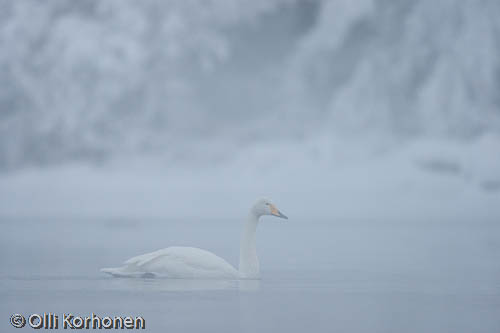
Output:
[[332, 276]]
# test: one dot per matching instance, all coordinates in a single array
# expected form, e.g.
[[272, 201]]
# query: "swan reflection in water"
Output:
[[165, 284]]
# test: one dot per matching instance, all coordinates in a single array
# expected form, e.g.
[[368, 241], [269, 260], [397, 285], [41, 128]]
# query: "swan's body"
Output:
[[194, 263], [176, 262]]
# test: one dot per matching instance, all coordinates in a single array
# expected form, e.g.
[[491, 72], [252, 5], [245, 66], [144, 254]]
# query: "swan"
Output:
[[193, 263]]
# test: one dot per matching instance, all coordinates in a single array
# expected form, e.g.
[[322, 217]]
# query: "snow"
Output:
[[100, 80]]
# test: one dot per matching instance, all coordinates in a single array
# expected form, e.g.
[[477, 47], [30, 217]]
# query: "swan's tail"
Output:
[[123, 272]]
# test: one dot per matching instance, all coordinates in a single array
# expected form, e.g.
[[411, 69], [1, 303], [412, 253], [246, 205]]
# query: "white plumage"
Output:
[[176, 262], [193, 263]]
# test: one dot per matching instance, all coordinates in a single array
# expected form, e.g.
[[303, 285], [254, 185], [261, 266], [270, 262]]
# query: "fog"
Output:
[[126, 127]]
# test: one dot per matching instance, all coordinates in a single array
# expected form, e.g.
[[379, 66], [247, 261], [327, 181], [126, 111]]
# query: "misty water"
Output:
[[127, 127], [326, 275]]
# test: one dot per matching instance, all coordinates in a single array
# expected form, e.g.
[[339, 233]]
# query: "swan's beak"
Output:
[[275, 211]]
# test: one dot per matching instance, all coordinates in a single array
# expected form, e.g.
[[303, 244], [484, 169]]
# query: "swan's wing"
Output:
[[143, 259], [182, 262]]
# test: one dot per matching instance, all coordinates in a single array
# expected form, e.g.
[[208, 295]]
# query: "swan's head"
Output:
[[264, 206]]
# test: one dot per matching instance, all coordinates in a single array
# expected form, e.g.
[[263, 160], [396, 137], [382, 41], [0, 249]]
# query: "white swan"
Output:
[[194, 263]]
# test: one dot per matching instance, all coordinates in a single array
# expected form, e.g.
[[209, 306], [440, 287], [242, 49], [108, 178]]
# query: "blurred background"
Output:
[[374, 125], [173, 108]]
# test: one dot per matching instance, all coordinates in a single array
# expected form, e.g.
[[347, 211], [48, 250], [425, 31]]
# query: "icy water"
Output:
[[320, 276]]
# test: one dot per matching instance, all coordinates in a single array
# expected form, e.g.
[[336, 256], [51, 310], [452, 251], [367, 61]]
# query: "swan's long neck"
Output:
[[249, 263]]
